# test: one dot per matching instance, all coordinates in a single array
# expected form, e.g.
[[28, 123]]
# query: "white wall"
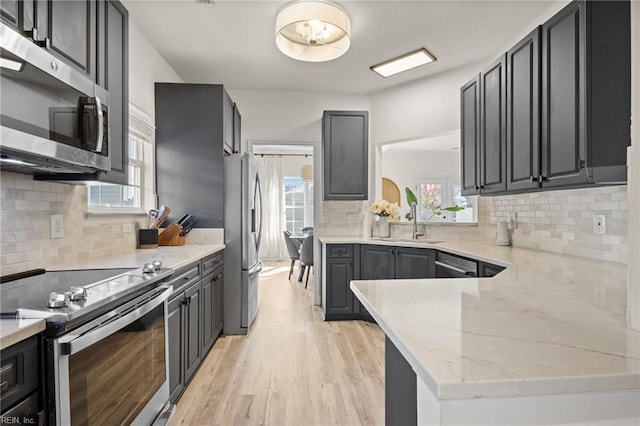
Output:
[[633, 295], [421, 108], [404, 167], [292, 166], [146, 67]]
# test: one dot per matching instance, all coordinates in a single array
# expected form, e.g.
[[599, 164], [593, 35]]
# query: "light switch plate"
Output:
[[599, 223], [56, 226]]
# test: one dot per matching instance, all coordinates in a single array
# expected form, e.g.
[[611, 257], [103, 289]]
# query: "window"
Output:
[[298, 204], [137, 196], [437, 193]]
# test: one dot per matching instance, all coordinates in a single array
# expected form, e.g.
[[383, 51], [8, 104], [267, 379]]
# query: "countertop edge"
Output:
[[24, 329], [517, 387]]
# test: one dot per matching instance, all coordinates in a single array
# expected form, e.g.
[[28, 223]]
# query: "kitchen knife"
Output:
[[183, 219]]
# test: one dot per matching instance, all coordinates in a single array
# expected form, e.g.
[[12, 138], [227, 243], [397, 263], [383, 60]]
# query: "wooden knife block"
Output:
[[170, 236]]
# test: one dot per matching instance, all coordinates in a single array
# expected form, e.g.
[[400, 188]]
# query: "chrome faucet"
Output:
[[414, 216]]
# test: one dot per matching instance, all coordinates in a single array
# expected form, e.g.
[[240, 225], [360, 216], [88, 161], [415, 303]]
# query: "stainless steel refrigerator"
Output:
[[242, 229]]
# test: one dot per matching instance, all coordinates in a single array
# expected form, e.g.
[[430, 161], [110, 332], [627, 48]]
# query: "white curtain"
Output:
[[272, 245]]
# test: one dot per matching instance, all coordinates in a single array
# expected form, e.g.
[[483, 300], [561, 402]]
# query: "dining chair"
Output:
[[293, 248], [306, 259]]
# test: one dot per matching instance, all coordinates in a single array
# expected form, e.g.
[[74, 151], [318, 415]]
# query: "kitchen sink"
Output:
[[408, 240]]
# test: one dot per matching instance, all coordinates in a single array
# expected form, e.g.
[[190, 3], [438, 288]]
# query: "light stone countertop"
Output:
[[13, 331], [171, 256], [548, 324]]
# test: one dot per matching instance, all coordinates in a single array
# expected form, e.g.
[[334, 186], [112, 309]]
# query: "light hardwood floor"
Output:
[[291, 369]]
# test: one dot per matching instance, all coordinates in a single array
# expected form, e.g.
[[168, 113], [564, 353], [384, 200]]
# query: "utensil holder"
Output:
[[170, 236], [147, 238]]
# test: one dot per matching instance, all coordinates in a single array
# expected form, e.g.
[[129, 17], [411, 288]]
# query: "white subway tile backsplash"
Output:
[[24, 225], [562, 221]]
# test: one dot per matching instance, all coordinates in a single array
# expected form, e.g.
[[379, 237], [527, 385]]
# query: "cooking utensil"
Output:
[[161, 218], [153, 213]]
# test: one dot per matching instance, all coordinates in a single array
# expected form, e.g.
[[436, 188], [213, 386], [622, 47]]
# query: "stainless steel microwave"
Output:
[[53, 118]]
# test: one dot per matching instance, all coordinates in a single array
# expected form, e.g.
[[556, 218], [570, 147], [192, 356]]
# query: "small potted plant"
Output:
[[383, 209]]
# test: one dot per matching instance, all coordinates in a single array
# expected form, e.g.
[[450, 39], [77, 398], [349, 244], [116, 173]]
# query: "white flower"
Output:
[[385, 208]]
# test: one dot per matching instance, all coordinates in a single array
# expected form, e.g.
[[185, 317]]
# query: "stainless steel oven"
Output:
[[114, 369], [105, 353]]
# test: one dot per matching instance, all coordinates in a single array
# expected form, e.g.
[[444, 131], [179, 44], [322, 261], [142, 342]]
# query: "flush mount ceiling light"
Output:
[[403, 63], [313, 31]]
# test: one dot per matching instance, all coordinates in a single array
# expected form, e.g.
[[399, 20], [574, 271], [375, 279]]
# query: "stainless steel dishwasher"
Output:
[[451, 266]]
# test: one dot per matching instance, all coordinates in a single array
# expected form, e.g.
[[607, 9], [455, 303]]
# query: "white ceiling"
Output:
[[232, 41]]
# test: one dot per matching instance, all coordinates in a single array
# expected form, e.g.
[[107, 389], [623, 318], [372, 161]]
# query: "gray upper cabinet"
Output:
[[190, 141], [492, 128], [113, 75], [237, 129], [563, 98], [523, 114], [68, 29], [568, 105], [586, 94], [227, 119], [470, 135], [20, 15], [345, 149]]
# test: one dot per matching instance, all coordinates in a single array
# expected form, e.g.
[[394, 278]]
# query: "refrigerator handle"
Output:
[[259, 193]]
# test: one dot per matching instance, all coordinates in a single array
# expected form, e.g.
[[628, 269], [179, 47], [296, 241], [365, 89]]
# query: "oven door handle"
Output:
[[71, 344]]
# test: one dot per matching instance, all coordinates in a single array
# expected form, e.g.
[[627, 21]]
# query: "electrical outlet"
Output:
[[513, 218], [56, 226], [599, 223]]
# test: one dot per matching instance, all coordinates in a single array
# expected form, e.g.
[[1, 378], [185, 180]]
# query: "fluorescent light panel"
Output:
[[403, 63]]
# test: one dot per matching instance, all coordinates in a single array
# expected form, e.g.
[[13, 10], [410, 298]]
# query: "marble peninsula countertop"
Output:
[[548, 324], [13, 331]]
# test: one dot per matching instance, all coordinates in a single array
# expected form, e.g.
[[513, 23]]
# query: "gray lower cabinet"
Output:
[[346, 262], [19, 377], [345, 154], [193, 335], [211, 309], [194, 319], [340, 269], [175, 323], [389, 262]]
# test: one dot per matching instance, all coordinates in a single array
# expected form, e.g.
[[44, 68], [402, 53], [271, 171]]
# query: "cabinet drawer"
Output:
[[27, 409], [185, 276], [210, 263], [18, 371], [340, 250]]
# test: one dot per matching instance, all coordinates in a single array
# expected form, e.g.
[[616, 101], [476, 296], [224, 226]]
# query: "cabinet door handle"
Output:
[[533, 179], [542, 178], [3, 386], [391, 251], [397, 252]]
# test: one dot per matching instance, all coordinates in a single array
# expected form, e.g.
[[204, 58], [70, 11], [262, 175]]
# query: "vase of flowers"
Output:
[[383, 209]]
